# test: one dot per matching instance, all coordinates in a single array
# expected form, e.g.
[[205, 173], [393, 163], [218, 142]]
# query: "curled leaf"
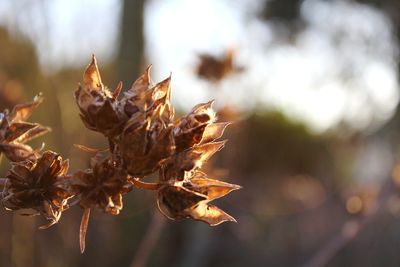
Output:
[[22, 112]]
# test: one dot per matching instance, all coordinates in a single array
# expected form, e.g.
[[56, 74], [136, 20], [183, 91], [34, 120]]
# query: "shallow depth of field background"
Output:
[[315, 142]]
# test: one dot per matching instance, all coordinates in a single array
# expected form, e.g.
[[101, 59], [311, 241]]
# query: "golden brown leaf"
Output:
[[37, 131], [117, 91], [211, 188], [83, 229], [209, 214], [142, 83], [91, 76], [22, 112], [213, 132]]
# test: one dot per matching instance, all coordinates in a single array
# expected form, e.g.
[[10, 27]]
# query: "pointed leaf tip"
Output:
[[91, 77], [210, 214], [209, 149], [83, 229], [214, 131], [117, 90]]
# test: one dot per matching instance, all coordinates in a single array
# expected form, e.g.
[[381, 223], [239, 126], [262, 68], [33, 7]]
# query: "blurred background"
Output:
[[313, 89]]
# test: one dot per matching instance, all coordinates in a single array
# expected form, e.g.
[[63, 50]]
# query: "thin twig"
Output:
[[149, 241]]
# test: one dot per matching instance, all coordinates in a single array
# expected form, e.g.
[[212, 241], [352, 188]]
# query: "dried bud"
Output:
[[143, 99], [38, 185], [197, 127], [97, 104], [101, 186], [189, 199], [215, 69], [14, 132], [180, 166], [147, 137]]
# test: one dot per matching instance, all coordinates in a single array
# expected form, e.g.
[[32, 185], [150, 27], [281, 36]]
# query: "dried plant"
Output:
[[38, 185], [214, 68], [144, 138], [15, 131]]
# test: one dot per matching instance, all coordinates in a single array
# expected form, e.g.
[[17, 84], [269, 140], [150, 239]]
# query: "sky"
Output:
[[341, 68]]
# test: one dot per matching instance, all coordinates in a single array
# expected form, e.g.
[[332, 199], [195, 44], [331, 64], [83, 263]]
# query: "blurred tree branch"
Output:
[[130, 54]]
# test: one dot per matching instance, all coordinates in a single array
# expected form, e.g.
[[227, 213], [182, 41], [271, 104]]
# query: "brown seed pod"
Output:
[[97, 104], [143, 99], [179, 166], [197, 127], [15, 131], [38, 185], [101, 186], [147, 136], [189, 199]]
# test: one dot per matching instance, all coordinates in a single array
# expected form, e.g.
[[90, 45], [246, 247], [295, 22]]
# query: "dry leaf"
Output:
[[14, 132], [83, 229]]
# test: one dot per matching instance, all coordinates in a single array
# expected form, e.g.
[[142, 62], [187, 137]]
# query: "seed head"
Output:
[[15, 131], [38, 185]]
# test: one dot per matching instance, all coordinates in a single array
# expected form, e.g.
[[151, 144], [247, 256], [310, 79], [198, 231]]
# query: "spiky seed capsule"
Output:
[[101, 186], [97, 104], [39, 186]]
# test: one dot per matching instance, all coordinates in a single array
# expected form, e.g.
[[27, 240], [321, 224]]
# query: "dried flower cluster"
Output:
[[15, 131], [144, 138], [215, 69]]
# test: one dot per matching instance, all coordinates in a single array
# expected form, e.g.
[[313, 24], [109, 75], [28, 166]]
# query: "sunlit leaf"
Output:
[[214, 131], [22, 112], [83, 229], [210, 214], [17, 129], [91, 77], [211, 188]]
